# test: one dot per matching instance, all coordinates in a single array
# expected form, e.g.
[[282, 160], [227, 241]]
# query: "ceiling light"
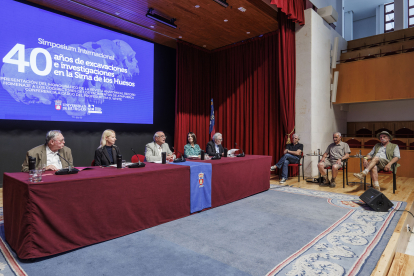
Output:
[[247, 32], [152, 26], [197, 6], [204, 46], [161, 19], [225, 20], [222, 2], [242, 9], [180, 36]]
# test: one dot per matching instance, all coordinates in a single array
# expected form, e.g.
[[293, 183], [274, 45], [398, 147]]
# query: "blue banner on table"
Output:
[[200, 185]]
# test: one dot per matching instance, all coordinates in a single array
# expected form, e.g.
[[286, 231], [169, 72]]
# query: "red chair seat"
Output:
[[134, 158]]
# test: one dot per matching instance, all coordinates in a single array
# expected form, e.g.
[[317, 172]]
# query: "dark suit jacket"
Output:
[[39, 153], [211, 148], [102, 157]]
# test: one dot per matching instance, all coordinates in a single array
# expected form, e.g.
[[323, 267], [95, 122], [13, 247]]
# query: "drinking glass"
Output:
[[32, 174], [123, 164]]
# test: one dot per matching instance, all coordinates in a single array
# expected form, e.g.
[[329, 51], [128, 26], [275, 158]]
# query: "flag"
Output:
[[212, 129]]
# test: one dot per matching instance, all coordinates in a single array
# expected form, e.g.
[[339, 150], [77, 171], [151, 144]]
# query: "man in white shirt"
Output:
[[154, 149], [47, 155]]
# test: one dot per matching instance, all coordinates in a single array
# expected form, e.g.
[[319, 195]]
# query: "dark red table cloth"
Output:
[[62, 213]]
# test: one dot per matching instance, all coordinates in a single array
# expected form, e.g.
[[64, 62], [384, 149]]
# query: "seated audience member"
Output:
[[291, 155], [214, 146], [153, 150], [337, 152], [382, 156], [106, 153], [47, 154], [191, 148]]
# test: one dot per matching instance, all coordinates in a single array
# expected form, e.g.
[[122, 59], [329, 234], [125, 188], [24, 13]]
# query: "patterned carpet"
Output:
[[283, 231]]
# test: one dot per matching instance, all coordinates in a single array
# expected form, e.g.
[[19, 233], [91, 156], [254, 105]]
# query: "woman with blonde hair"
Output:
[[106, 153]]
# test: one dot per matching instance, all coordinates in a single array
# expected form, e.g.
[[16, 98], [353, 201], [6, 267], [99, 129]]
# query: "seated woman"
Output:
[[106, 153], [191, 148]]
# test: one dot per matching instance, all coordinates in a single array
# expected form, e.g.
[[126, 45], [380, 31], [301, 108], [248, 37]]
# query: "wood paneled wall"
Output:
[[377, 79]]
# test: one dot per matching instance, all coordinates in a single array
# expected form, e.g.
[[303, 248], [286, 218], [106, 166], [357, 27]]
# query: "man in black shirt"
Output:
[[292, 156]]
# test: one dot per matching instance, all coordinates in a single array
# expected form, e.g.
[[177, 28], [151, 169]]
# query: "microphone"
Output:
[[240, 154], [182, 159], [136, 165], [69, 170]]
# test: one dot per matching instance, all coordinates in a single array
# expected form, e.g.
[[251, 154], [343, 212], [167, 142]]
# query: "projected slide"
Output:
[[55, 68]]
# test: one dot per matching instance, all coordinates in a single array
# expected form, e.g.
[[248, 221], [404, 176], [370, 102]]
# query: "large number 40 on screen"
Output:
[[21, 63]]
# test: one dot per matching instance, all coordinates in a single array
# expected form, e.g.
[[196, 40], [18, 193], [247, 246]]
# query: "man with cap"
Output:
[[382, 156]]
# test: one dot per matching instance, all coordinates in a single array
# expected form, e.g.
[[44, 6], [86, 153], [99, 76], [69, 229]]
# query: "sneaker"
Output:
[[283, 181], [333, 183], [273, 168], [376, 187], [325, 182], [360, 175]]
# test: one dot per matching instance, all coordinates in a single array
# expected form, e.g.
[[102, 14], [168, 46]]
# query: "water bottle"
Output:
[[164, 157], [202, 154], [32, 163], [119, 161]]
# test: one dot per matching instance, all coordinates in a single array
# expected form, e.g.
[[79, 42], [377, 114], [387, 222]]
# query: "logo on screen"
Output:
[[201, 180], [58, 104]]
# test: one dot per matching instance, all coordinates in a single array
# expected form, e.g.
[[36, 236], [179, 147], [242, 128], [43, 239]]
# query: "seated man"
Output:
[[47, 155], [215, 146], [383, 155], [154, 149], [338, 151], [292, 156]]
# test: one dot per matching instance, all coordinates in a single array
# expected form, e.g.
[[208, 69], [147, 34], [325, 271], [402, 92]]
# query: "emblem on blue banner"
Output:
[[200, 180]]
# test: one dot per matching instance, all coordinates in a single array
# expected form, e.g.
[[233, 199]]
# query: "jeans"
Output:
[[285, 161]]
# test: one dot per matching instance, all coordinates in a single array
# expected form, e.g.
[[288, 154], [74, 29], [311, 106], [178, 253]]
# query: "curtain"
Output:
[[252, 84], [294, 9]]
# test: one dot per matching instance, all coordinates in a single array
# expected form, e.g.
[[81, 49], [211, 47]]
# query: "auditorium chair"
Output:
[[301, 160], [400, 144], [344, 170], [363, 132], [134, 158], [404, 133], [412, 146], [354, 143], [381, 130], [371, 143], [394, 177]]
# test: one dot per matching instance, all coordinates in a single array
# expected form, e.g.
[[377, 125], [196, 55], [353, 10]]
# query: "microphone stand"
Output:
[[69, 170], [240, 154], [136, 165], [182, 159]]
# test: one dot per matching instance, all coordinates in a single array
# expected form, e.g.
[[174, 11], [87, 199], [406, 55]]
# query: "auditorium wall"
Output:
[[401, 110], [316, 118], [17, 137]]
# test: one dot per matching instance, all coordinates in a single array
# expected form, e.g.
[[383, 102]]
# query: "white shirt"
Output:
[[217, 148], [53, 158], [159, 150]]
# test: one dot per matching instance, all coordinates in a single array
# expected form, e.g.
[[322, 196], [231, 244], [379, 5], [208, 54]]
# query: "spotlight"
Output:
[[222, 2], [161, 19]]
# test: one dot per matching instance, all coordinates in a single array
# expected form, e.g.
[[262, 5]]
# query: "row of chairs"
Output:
[[344, 169], [400, 133], [355, 143]]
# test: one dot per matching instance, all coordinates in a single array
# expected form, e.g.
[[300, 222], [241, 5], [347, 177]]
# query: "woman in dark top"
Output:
[[106, 153]]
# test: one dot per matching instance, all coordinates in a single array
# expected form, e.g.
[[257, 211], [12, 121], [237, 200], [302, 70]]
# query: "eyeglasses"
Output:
[[220, 139], [60, 141], [163, 136]]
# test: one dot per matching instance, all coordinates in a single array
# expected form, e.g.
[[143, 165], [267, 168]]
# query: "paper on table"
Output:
[[232, 151], [127, 164]]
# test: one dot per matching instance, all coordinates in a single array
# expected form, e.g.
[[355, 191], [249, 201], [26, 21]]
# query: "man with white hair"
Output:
[[338, 151], [50, 154], [215, 147], [291, 155], [154, 149]]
